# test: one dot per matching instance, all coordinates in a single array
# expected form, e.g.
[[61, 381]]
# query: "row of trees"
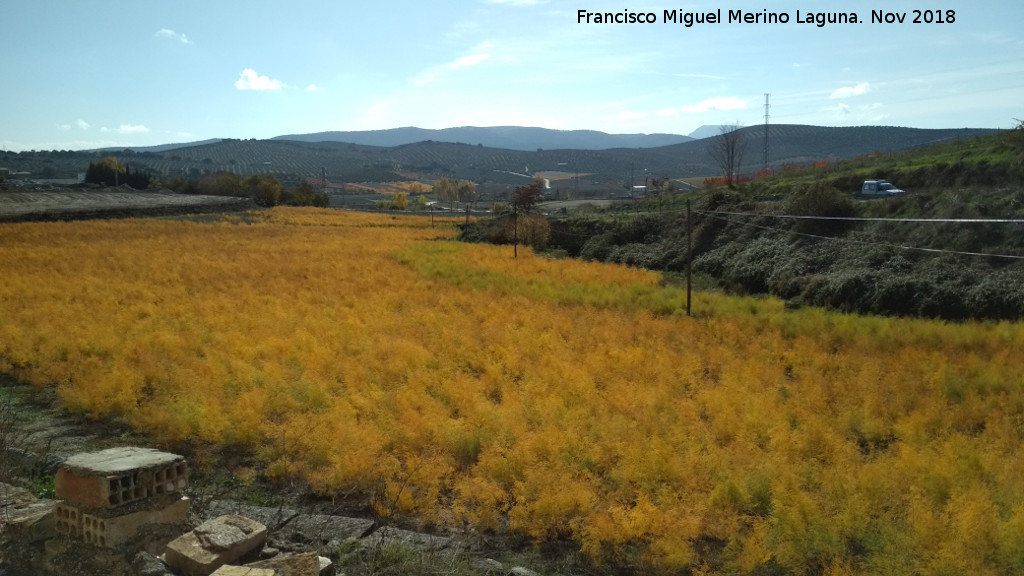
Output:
[[452, 191], [264, 189], [110, 172]]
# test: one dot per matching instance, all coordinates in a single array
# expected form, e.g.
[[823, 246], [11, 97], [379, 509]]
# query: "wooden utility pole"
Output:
[[515, 232], [689, 256]]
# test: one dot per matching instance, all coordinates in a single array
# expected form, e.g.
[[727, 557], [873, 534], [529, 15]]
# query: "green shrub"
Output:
[[597, 248]]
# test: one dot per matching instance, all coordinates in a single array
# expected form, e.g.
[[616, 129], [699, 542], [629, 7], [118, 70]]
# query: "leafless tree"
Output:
[[727, 150]]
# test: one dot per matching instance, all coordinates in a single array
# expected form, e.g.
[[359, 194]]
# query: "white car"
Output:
[[879, 188]]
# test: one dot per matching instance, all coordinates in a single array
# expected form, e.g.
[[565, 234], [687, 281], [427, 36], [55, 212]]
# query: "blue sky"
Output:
[[77, 74]]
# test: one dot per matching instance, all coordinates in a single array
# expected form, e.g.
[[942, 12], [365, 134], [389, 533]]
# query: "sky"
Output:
[[78, 74]]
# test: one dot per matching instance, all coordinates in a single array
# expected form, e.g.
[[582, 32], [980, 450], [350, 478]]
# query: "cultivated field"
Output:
[[549, 398], [72, 204]]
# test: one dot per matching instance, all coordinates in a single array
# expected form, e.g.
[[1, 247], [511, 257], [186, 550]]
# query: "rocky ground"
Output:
[[36, 435]]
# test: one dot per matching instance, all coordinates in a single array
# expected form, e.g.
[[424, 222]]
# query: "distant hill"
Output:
[[706, 131], [507, 137], [290, 160], [159, 147]]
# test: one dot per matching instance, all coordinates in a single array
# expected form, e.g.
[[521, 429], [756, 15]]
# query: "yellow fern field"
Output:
[[552, 398]]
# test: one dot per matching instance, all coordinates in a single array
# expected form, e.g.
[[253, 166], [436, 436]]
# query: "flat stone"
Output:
[[29, 518], [316, 527], [291, 565], [243, 571], [390, 536], [491, 566], [215, 543]]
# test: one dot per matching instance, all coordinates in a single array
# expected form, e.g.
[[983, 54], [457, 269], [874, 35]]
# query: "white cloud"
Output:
[[995, 38], [691, 75], [847, 91], [250, 80], [603, 67], [717, 103], [82, 125], [479, 54], [627, 115], [466, 61], [426, 77], [314, 88], [172, 35], [127, 129], [867, 113], [380, 114], [520, 2]]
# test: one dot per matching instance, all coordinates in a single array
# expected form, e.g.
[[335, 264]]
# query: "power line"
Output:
[[718, 214], [863, 242], [859, 219]]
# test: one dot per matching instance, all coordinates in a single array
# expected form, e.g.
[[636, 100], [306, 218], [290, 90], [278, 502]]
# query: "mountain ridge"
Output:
[[522, 138]]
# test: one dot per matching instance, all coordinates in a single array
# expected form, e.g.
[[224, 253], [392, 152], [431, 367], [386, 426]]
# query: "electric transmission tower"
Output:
[[766, 130]]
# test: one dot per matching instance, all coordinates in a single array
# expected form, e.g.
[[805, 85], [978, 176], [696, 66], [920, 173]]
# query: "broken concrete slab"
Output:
[[215, 543]]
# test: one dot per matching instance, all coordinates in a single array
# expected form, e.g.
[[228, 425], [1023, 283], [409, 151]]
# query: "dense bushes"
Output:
[[840, 264], [878, 280]]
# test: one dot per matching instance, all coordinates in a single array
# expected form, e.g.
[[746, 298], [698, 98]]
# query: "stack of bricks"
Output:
[[108, 496]]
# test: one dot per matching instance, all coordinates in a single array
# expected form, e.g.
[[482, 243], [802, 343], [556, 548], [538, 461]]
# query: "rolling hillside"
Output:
[[426, 161]]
